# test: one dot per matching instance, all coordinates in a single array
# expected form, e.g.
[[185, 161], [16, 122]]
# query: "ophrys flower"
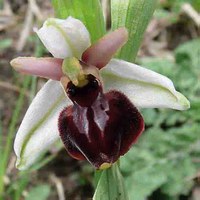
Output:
[[97, 124]]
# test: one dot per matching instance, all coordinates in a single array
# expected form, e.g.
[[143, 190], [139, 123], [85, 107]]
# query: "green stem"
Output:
[[111, 185], [97, 176]]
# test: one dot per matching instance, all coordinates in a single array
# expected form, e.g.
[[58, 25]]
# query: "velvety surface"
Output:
[[98, 127]]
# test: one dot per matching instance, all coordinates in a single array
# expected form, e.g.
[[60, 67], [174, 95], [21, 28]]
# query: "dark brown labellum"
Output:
[[98, 127]]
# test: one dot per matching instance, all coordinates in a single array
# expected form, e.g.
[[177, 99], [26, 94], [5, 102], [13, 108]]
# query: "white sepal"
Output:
[[39, 128], [145, 88], [64, 38]]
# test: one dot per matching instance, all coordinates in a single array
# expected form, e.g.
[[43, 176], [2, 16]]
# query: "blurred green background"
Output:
[[163, 165]]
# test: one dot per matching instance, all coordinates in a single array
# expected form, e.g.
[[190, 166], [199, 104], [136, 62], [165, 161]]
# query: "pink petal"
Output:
[[50, 68], [100, 53], [97, 55]]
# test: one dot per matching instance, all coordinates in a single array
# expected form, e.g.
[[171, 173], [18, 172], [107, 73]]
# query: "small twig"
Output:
[[59, 187], [9, 86], [26, 30], [35, 9], [7, 8], [6, 180], [7, 19], [196, 160], [193, 177], [196, 193], [11, 165], [192, 13]]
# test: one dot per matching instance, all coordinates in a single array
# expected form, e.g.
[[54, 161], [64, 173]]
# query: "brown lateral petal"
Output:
[[100, 53]]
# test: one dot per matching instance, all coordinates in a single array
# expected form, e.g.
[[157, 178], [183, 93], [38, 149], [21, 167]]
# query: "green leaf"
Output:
[[176, 185], [40, 192], [88, 11], [162, 159], [186, 57], [135, 16], [111, 185], [145, 181]]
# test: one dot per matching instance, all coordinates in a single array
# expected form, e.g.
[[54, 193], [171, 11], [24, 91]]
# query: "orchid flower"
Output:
[[91, 101]]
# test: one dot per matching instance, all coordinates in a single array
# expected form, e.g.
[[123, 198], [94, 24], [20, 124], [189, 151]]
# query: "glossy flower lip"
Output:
[[145, 88]]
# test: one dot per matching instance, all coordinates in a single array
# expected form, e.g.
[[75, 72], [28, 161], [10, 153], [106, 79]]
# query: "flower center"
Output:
[[86, 95], [72, 68]]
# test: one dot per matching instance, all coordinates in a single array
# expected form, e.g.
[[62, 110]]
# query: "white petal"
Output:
[[39, 130], [147, 89], [64, 38]]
